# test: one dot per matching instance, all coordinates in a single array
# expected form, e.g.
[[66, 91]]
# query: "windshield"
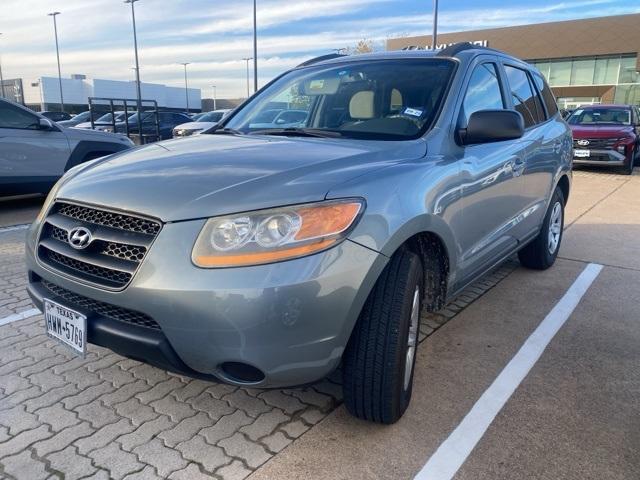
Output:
[[211, 117], [82, 116], [382, 100], [599, 116], [145, 117]]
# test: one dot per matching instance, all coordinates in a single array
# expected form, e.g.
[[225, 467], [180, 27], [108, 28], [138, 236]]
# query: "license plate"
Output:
[[581, 153], [66, 325]]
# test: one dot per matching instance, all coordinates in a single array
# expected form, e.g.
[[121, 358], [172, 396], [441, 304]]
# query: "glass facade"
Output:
[[616, 70], [609, 70]]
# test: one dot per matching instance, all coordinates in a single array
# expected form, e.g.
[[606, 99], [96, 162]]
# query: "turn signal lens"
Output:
[[267, 236]]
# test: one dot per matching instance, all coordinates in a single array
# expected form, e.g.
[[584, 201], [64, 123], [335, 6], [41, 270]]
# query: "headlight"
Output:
[[49, 200], [267, 236], [105, 129]]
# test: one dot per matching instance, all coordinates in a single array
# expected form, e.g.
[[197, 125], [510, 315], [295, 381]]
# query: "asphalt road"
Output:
[[572, 415]]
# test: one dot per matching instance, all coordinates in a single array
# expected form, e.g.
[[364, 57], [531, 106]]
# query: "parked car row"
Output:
[[200, 123]]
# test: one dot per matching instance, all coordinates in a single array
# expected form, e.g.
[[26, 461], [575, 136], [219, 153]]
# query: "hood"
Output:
[[195, 125], [208, 175], [601, 131], [80, 134]]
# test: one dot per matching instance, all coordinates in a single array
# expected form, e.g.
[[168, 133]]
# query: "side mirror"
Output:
[[45, 124], [492, 126]]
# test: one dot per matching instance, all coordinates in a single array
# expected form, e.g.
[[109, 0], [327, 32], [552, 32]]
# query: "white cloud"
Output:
[[95, 35]]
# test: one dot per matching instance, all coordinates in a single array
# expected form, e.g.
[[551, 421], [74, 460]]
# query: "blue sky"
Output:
[[95, 35]]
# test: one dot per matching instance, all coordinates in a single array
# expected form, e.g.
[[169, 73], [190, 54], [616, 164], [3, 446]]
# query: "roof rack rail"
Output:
[[322, 58], [453, 50]]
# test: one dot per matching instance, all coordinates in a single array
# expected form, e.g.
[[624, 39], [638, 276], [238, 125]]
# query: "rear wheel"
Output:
[[541, 253], [380, 357]]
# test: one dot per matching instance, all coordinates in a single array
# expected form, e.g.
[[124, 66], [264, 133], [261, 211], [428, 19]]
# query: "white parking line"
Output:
[[453, 452], [19, 316], [13, 228]]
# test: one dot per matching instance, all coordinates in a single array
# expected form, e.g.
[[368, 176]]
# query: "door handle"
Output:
[[518, 166]]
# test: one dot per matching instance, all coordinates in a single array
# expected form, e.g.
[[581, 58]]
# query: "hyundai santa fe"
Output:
[[269, 256]]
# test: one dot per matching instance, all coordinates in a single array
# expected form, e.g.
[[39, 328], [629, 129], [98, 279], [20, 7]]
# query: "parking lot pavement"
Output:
[[575, 414], [111, 417], [114, 417]]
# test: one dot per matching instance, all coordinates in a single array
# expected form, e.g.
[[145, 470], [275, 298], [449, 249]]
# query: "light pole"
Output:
[[1, 79], [55, 31], [247, 59], [255, 48], [214, 97], [435, 25], [135, 47], [186, 84]]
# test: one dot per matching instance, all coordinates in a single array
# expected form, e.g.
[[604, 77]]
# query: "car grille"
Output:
[[597, 143], [118, 246], [105, 309]]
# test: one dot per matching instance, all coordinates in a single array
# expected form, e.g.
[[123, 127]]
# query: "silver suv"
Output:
[[35, 152], [268, 256]]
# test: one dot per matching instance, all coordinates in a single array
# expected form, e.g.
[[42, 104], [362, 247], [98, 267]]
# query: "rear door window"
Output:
[[525, 100]]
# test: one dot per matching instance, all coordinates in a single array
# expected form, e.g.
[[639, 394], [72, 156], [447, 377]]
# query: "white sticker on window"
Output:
[[414, 112]]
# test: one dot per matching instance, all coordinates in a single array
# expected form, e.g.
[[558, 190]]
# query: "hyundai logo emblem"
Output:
[[583, 143], [79, 238]]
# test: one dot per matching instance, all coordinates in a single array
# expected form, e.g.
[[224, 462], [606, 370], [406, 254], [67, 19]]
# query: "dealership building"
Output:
[[586, 61], [44, 93]]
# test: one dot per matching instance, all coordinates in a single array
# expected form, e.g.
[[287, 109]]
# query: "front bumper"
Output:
[[604, 157], [291, 320]]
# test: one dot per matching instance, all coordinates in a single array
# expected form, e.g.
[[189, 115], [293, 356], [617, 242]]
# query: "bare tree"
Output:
[[363, 46]]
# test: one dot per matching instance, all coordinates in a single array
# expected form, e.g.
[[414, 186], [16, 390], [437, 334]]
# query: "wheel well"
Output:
[[435, 263], [564, 187]]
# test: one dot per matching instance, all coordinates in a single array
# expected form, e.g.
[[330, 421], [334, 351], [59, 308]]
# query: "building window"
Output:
[[628, 72], [560, 73], [582, 72], [606, 71], [600, 70]]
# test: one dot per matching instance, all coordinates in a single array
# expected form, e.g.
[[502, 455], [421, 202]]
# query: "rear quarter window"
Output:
[[547, 95]]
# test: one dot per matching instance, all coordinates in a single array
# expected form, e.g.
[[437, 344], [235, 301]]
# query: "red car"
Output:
[[606, 135]]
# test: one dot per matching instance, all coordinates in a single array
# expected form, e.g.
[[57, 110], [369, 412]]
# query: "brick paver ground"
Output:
[[107, 416]]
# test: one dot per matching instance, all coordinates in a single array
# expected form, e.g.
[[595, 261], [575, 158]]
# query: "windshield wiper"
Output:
[[227, 131], [298, 132]]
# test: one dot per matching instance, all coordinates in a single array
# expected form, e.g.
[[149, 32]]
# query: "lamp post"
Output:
[[138, 90], [186, 84], [248, 59], [214, 97], [435, 25], [1, 79], [55, 31], [255, 48]]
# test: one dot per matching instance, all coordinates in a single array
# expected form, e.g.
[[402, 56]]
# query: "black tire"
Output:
[[376, 355], [538, 254], [628, 168]]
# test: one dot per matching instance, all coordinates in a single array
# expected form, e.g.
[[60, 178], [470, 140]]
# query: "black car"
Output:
[[56, 116], [166, 121]]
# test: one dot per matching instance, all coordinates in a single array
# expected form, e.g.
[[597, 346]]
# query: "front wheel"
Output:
[[632, 160], [542, 252], [380, 356]]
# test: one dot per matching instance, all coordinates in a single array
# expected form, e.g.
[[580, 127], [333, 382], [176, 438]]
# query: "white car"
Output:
[[205, 122], [104, 120]]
